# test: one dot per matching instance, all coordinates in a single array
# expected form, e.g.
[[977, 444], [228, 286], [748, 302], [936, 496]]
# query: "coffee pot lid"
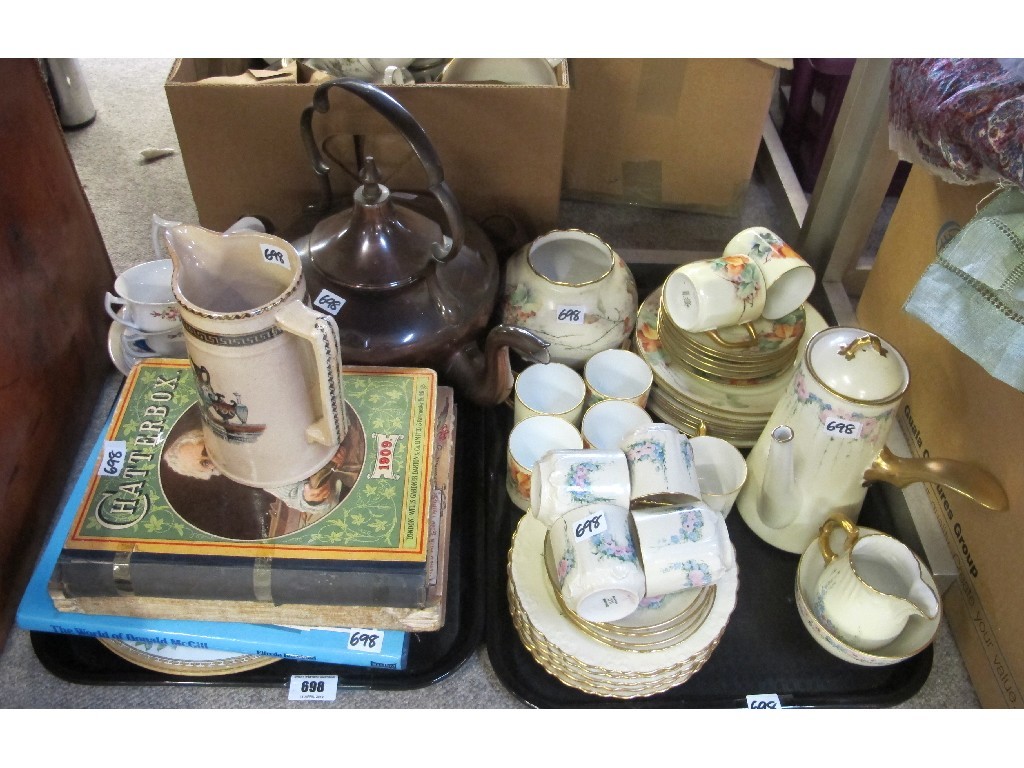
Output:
[[857, 365]]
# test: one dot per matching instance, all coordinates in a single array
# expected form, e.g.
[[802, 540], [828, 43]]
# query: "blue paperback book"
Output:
[[358, 646]]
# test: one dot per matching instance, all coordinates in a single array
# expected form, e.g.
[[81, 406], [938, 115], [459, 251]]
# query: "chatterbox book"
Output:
[[159, 520]]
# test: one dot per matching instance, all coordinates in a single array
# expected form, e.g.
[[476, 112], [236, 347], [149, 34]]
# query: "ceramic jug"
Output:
[[825, 441], [571, 289], [870, 588], [267, 367]]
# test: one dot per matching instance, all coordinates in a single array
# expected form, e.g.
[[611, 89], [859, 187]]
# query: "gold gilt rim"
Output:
[[230, 665], [574, 231]]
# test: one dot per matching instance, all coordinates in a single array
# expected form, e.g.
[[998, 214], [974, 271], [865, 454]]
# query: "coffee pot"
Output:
[[825, 442], [404, 292]]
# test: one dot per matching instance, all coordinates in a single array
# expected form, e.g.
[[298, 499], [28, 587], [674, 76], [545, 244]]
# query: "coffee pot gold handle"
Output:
[[962, 477]]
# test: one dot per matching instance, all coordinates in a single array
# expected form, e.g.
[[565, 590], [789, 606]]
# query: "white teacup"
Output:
[[789, 279], [529, 440], [595, 563], [721, 471], [144, 296], [712, 293], [682, 547], [607, 423], [871, 588], [549, 389], [618, 374], [564, 480], [662, 469]]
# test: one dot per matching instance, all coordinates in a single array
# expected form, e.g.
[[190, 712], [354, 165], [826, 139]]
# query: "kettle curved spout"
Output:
[[780, 496], [485, 376]]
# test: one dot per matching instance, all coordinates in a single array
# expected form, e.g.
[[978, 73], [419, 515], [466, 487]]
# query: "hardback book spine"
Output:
[[356, 646]]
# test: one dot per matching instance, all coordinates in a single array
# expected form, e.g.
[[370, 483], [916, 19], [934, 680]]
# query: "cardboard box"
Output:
[[666, 133], [500, 145], [955, 409]]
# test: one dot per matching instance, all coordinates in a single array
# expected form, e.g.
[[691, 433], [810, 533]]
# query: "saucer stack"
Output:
[[703, 382], [737, 354], [661, 645]]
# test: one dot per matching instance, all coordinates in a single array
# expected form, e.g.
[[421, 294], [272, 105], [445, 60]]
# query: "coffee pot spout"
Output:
[[780, 497]]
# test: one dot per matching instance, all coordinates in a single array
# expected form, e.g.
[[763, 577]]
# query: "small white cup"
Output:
[[144, 293], [708, 294], [564, 480], [682, 547], [713, 293], [662, 469], [721, 471], [527, 443], [617, 374], [789, 279], [595, 562], [549, 389], [606, 423]]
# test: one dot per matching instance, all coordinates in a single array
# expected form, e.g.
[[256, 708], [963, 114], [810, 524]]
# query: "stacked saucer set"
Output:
[[621, 577], [723, 336]]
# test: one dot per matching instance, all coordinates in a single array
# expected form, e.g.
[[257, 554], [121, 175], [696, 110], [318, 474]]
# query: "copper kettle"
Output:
[[403, 292]]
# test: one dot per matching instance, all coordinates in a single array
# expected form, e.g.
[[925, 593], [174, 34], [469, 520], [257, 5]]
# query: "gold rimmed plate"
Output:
[[181, 660]]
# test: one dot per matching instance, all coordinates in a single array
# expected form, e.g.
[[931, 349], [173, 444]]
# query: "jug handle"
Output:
[[321, 331], [825, 536], [413, 132]]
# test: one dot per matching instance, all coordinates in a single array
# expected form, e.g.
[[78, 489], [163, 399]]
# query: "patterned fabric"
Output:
[[963, 118]]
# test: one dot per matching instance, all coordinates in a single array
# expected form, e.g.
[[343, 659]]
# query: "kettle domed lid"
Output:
[[857, 365], [375, 244]]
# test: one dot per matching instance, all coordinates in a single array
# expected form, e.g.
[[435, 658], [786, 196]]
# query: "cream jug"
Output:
[[267, 367], [825, 441], [871, 588]]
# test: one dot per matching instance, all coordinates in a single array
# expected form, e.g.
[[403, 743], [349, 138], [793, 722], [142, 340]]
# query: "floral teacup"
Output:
[[595, 561]]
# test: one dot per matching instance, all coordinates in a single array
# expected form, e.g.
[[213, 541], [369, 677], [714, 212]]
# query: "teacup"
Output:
[[871, 588], [549, 389], [721, 471], [564, 480], [789, 279], [662, 470], [144, 297], [607, 423], [682, 547], [712, 293], [618, 374], [595, 563], [529, 440]]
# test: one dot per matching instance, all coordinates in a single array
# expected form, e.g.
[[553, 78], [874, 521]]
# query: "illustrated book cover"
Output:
[[427, 618], [353, 646], [158, 520]]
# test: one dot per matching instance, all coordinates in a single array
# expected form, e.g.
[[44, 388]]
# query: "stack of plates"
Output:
[[738, 354], [658, 647], [690, 400]]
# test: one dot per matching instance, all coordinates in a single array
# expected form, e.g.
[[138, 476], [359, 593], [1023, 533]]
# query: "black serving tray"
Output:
[[765, 648], [432, 655]]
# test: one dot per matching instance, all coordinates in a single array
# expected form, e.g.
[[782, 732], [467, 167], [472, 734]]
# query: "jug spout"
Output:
[[780, 496]]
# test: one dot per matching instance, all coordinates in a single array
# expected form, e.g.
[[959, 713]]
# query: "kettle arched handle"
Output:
[[399, 117]]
